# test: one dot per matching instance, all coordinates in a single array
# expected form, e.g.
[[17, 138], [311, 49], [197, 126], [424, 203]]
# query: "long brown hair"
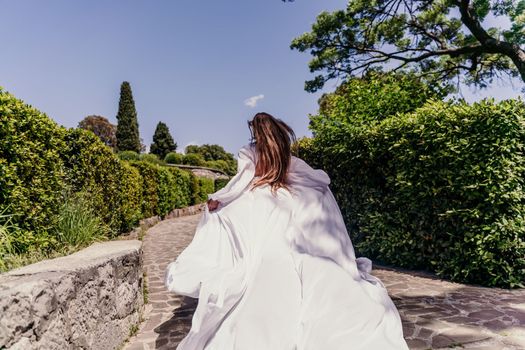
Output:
[[273, 139]]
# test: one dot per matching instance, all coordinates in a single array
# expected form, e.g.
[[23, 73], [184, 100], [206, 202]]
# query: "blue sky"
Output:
[[192, 64]]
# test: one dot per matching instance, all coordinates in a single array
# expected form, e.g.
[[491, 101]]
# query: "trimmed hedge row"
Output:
[[441, 188], [40, 162]]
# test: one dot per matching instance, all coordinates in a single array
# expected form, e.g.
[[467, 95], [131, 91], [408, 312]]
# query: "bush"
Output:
[[129, 155], [93, 168], [206, 186], [193, 159], [374, 97], [211, 153], [150, 196], [440, 188], [220, 183], [173, 158], [130, 197], [31, 172], [151, 158], [218, 164], [56, 184], [183, 187], [167, 191]]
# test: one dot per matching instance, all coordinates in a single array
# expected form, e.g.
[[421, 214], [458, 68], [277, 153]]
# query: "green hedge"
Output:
[[174, 158], [41, 163], [131, 197], [220, 183], [93, 168], [206, 186], [441, 188], [31, 173]]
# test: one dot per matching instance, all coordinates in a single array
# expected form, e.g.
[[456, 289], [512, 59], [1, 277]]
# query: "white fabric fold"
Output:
[[280, 272]]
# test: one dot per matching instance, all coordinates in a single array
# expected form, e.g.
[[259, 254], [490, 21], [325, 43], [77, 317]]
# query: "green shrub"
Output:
[[173, 158], [31, 170], [93, 168], [129, 155], [372, 98], [167, 191], [78, 224], [151, 158], [183, 187], [220, 183], [149, 185], [210, 153], [130, 196], [42, 163], [193, 159], [206, 186], [440, 188], [218, 164]]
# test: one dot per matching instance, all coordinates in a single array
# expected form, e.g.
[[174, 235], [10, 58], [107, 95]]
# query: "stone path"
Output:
[[436, 314]]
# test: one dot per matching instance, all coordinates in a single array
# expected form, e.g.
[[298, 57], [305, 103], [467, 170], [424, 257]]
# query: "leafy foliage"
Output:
[[214, 153], [93, 168], [206, 186], [31, 172], [439, 188], [439, 40], [162, 141], [101, 127], [150, 158], [127, 134], [193, 159], [173, 158], [64, 187], [220, 183], [128, 155], [130, 197], [376, 96]]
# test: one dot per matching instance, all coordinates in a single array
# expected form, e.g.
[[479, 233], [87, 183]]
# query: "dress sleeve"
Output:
[[237, 184]]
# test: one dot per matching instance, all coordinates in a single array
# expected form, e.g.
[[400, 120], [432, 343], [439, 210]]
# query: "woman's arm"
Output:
[[237, 184]]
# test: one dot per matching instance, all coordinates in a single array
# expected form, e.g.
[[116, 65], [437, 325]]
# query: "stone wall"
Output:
[[90, 299]]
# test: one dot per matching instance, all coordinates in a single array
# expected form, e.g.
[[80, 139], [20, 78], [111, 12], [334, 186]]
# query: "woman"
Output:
[[273, 266]]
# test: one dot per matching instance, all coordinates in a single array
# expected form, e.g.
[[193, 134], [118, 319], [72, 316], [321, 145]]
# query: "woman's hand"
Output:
[[213, 204]]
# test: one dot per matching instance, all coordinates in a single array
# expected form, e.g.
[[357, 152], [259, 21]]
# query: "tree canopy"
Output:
[[361, 101], [101, 127], [447, 41], [162, 141], [214, 154]]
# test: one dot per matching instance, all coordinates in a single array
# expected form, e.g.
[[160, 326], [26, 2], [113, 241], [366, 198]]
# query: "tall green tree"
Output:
[[162, 141], [446, 41], [128, 138]]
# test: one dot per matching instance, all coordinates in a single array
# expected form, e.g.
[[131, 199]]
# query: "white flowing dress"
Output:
[[279, 272]]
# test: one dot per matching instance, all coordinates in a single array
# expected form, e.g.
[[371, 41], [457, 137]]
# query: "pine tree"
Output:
[[162, 141], [127, 127]]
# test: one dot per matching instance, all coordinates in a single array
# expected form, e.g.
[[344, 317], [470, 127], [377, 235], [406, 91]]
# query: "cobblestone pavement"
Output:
[[436, 314]]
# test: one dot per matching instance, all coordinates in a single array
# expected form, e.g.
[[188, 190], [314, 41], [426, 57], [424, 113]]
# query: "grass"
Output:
[[78, 225]]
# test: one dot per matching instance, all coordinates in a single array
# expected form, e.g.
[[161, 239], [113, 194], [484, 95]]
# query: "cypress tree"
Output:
[[162, 141], [127, 127]]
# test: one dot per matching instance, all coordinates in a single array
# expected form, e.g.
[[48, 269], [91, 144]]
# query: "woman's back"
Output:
[[274, 268]]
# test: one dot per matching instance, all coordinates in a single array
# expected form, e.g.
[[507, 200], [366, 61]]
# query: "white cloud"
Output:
[[252, 101]]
